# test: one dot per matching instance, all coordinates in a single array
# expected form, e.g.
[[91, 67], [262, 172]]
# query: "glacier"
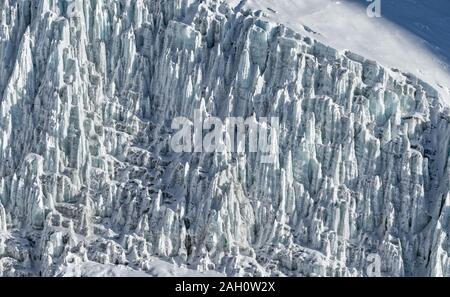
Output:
[[90, 186]]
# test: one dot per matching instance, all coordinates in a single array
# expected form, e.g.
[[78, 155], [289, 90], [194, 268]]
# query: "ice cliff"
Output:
[[88, 92]]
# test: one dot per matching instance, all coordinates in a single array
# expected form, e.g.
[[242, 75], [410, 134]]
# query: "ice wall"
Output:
[[87, 174]]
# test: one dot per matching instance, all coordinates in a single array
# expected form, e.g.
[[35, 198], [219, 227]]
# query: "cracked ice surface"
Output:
[[90, 186]]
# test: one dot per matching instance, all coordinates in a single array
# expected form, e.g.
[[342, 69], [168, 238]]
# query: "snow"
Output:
[[411, 35], [157, 268], [89, 186]]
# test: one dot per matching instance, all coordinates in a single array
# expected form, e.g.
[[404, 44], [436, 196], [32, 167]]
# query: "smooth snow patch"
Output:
[[345, 25], [158, 268]]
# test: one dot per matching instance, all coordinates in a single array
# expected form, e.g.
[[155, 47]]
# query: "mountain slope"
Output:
[[412, 36]]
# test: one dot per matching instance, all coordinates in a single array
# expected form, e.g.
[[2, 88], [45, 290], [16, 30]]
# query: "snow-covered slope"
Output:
[[89, 183], [411, 35], [155, 268]]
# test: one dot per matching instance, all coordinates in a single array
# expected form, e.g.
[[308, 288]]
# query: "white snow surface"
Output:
[[89, 185], [157, 268], [410, 35]]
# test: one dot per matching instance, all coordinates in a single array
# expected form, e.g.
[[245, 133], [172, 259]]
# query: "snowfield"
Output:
[[155, 268], [411, 35]]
